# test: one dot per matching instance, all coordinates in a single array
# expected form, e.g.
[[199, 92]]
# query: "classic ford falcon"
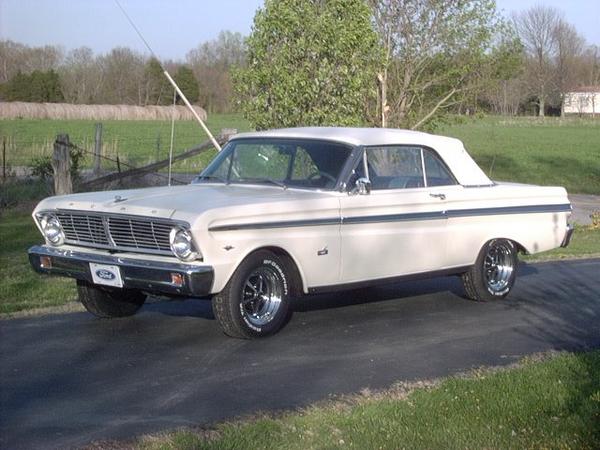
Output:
[[282, 213]]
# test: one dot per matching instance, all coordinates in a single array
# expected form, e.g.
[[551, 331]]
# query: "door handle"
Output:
[[440, 196]]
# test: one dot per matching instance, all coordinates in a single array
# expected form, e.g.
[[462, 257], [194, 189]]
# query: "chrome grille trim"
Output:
[[119, 232]]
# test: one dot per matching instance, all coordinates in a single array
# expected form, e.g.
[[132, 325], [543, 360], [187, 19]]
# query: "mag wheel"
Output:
[[255, 302], [493, 275]]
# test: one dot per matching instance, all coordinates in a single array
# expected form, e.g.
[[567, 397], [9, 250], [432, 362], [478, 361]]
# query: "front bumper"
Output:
[[150, 276], [568, 235]]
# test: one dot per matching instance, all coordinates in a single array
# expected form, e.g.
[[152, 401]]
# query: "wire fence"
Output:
[[20, 154], [119, 165]]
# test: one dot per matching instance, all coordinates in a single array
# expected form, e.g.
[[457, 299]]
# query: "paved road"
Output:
[[583, 206], [70, 379]]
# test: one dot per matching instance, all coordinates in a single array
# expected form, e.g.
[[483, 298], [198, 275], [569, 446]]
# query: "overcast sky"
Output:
[[174, 27]]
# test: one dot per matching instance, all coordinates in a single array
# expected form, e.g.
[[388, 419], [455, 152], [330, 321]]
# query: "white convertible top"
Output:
[[452, 151]]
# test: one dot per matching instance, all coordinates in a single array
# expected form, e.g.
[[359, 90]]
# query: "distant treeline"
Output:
[[122, 76], [423, 60]]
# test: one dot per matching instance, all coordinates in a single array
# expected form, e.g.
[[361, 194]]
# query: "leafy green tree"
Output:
[[37, 87], [158, 89], [309, 62], [185, 79]]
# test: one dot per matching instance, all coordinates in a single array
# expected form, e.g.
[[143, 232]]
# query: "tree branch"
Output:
[[433, 110]]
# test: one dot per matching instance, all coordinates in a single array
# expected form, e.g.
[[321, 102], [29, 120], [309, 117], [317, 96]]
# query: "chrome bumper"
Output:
[[150, 276], [568, 234]]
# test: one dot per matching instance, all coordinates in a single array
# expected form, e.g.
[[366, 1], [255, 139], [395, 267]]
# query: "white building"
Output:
[[583, 100]]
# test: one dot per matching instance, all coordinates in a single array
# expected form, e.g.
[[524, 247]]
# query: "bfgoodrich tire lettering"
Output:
[[256, 300], [494, 273], [109, 302]]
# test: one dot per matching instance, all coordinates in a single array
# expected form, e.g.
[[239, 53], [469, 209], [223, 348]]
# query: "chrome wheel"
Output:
[[498, 266], [261, 296]]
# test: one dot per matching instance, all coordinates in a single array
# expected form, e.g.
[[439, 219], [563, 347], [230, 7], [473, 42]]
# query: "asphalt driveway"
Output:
[[66, 380]]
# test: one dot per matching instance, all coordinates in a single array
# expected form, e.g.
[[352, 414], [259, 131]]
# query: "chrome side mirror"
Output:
[[362, 186]]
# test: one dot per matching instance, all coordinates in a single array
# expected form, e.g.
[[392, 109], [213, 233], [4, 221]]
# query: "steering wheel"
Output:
[[321, 174]]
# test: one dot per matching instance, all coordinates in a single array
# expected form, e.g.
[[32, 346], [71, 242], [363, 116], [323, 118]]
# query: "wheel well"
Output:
[[520, 248], [296, 282]]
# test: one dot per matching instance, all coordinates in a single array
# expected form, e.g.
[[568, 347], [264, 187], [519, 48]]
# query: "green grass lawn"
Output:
[[553, 151], [585, 243], [22, 288], [136, 142], [552, 404]]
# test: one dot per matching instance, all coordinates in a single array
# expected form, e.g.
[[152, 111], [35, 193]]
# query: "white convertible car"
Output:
[[282, 213]]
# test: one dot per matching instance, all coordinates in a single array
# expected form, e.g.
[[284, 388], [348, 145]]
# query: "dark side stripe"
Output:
[[283, 224], [429, 215]]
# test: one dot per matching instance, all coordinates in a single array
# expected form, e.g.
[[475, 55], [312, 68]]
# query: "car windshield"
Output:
[[279, 162]]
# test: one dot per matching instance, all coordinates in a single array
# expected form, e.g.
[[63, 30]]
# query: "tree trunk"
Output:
[[542, 105], [382, 80]]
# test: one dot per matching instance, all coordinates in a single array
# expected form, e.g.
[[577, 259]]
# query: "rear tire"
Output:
[[494, 273], [109, 302], [256, 300]]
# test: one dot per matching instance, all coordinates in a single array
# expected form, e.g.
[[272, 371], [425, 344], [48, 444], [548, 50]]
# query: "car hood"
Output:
[[169, 201]]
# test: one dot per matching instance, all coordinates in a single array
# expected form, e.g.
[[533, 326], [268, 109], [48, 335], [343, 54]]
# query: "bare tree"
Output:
[[15, 57], [212, 63], [81, 77], [537, 29], [123, 76], [569, 49]]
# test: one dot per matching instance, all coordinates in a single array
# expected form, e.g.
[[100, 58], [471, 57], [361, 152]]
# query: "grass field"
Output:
[[552, 404], [20, 287], [136, 142], [551, 151]]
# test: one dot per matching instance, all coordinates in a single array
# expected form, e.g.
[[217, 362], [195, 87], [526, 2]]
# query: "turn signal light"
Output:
[[45, 262], [176, 279]]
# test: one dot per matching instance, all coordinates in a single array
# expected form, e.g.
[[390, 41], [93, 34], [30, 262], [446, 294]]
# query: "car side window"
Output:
[[395, 167], [436, 172]]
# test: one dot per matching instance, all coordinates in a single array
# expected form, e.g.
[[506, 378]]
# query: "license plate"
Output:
[[106, 275]]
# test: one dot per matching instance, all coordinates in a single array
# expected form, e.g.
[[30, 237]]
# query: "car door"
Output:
[[399, 227]]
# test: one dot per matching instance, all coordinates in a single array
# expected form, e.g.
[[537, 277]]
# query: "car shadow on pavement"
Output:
[[185, 307], [202, 308]]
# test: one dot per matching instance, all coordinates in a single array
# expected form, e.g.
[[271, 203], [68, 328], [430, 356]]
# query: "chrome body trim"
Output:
[[568, 235], [405, 217], [147, 275]]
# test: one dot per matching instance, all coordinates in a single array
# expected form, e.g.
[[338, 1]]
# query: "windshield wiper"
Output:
[[281, 184], [212, 177]]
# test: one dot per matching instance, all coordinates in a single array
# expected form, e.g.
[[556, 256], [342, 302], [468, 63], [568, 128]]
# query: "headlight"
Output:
[[182, 245], [52, 229]]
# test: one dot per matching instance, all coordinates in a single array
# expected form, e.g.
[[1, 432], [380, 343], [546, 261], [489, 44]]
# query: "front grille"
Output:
[[140, 233], [118, 232], [82, 228]]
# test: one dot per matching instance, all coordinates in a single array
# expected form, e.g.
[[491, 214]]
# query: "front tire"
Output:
[[256, 300], [109, 302], [494, 273]]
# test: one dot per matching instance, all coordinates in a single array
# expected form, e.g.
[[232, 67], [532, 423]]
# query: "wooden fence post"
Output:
[[98, 149], [61, 165], [3, 159]]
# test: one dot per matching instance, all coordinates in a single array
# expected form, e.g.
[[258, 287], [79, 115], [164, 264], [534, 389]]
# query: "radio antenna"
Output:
[[166, 74]]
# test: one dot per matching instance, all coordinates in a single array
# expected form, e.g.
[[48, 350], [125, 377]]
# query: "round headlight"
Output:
[[182, 245], [52, 229]]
